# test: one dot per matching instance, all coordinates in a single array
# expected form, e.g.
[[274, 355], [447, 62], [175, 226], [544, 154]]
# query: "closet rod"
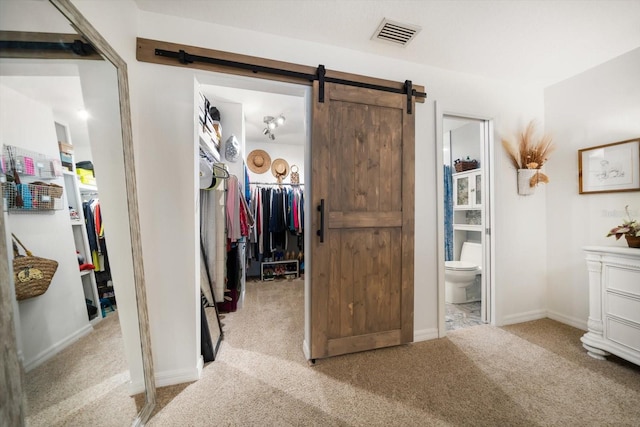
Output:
[[275, 183]]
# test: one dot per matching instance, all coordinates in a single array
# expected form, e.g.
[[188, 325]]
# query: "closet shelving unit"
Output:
[[210, 146], [207, 134], [73, 187], [271, 270], [78, 229]]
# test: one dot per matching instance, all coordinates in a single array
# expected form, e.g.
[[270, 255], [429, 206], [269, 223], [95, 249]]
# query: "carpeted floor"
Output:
[[530, 374], [86, 384]]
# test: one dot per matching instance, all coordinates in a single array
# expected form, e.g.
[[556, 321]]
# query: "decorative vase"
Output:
[[524, 181], [632, 241]]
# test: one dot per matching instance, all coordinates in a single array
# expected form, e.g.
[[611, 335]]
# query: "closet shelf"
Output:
[[467, 227], [207, 145], [87, 188]]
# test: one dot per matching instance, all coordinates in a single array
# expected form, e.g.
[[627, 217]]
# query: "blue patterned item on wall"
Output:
[[448, 214]]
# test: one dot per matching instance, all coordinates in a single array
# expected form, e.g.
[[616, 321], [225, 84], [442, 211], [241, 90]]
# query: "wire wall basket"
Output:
[[36, 197], [16, 160], [23, 190]]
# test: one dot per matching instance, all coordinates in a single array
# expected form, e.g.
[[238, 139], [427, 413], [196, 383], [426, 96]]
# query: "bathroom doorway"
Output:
[[465, 288]]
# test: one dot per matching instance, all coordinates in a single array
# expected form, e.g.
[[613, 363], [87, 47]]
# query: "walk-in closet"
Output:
[[250, 143]]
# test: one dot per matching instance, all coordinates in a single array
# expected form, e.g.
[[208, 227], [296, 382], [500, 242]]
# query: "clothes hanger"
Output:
[[219, 169]]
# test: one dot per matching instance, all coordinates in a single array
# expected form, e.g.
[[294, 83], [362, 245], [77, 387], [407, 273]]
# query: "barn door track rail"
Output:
[[190, 56], [19, 44]]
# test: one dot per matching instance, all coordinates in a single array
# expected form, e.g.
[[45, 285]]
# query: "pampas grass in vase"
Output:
[[530, 153]]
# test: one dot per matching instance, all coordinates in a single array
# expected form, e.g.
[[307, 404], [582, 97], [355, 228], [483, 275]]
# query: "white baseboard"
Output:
[[568, 320], [523, 317], [425, 334], [56, 348], [166, 378]]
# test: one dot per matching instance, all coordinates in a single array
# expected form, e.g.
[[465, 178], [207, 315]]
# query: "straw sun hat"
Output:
[[280, 168], [259, 161]]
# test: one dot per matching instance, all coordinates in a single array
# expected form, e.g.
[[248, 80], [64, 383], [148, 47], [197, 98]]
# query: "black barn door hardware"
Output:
[[321, 73], [320, 232], [186, 58], [18, 44]]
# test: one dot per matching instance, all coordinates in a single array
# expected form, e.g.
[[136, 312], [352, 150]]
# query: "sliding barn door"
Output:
[[363, 207]]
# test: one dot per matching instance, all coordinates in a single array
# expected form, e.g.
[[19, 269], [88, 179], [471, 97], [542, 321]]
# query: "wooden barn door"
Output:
[[363, 207]]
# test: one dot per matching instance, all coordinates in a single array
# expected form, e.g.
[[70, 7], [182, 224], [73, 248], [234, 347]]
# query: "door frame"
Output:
[[488, 265]]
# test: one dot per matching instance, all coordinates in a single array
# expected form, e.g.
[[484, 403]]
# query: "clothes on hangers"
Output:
[[239, 216], [95, 234], [279, 214]]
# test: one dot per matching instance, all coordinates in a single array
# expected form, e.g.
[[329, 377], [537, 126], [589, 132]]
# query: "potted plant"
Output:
[[630, 229], [528, 157]]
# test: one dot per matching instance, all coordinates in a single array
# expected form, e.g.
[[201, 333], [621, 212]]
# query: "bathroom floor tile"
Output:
[[458, 316]]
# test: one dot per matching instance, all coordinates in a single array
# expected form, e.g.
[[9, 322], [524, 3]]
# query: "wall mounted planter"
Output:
[[528, 180], [524, 181]]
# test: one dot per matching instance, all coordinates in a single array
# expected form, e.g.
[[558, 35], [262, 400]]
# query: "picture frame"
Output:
[[610, 168]]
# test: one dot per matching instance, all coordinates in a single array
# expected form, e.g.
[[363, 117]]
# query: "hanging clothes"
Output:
[[279, 220], [239, 216]]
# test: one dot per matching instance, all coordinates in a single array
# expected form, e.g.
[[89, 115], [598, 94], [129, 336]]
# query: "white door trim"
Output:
[[487, 161]]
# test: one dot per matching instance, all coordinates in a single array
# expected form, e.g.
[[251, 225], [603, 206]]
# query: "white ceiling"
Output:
[[532, 41], [54, 83], [537, 42], [256, 105]]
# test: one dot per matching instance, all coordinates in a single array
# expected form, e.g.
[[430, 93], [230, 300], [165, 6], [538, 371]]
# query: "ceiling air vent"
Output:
[[395, 32]]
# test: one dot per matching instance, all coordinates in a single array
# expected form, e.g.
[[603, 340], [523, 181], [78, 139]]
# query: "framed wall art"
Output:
[[610, 167]]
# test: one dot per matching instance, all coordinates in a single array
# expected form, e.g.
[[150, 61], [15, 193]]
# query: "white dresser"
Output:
[[614, 302]]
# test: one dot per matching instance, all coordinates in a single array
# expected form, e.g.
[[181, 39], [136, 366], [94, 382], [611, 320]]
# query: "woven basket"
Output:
[[32, 274], [55, 191], [465, 165]]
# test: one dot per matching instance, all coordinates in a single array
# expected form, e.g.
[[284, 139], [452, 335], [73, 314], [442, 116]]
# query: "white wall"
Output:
[[51, 321], [162, 99], [292, 153], [465, 142], [599, 106]]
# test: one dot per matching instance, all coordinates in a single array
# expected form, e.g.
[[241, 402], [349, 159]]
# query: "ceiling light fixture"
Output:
[[83, 114], [271, 124]]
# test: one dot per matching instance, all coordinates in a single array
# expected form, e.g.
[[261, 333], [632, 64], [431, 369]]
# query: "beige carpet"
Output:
[[530, 374], [86, 384]]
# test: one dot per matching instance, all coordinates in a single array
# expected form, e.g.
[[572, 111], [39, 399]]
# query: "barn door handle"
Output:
[[321, 231]]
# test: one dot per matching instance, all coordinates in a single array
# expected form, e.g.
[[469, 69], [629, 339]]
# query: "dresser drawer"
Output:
[[622, 279], [622, 306], [623, 333]]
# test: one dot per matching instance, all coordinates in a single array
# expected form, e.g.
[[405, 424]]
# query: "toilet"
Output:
[[460, 276]]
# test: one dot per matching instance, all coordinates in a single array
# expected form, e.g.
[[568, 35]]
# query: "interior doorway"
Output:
[[466, 290], [273, 162]]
